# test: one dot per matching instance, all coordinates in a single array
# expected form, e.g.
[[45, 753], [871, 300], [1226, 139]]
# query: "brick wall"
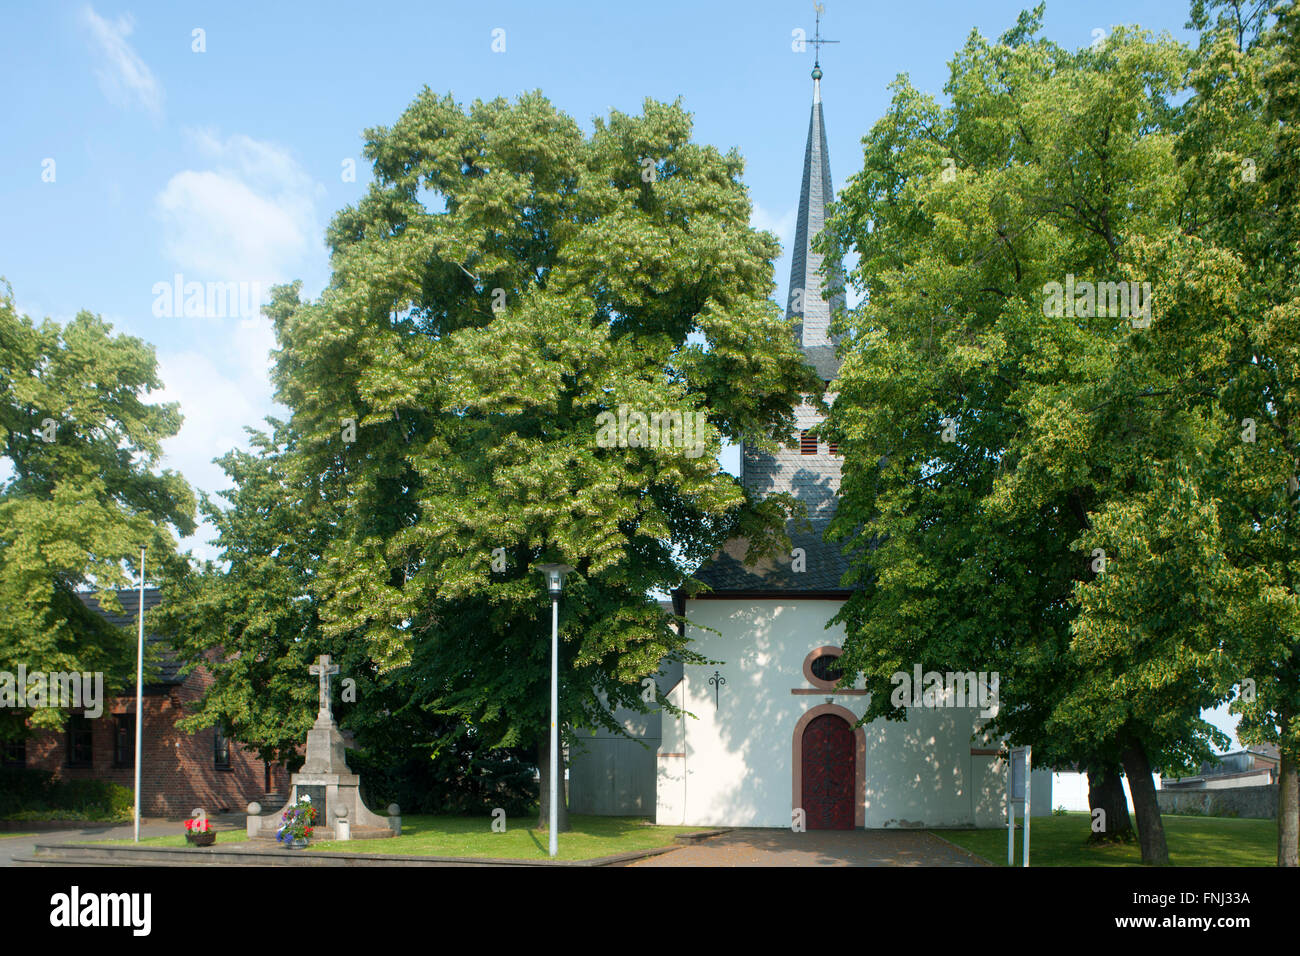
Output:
[[178, 770]]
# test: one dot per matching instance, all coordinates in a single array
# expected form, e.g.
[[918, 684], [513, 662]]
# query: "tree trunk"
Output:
[[1288, 810], [544, 766], [1106, 793], [1151, 831]]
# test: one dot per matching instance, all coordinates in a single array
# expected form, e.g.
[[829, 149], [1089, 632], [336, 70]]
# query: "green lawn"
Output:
[[177, 839], [1193, 841], [10, 836], [473, 837]]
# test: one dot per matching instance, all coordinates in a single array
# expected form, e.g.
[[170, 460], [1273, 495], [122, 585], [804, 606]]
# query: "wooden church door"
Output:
[[829, 771]]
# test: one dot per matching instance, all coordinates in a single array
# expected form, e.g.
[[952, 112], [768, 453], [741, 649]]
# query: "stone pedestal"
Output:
[[333, 787], [325, 777]]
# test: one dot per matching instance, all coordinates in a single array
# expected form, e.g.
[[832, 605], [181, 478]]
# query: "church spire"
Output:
[[807, 303], [810, 471]]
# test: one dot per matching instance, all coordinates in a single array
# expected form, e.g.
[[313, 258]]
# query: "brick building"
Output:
[[179, 770]]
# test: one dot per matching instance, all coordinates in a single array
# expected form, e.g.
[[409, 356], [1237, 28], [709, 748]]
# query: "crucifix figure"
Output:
[[324, 669]]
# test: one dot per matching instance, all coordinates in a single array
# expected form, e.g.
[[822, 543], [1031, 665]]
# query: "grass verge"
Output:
[[473, 837], [1061, 840]]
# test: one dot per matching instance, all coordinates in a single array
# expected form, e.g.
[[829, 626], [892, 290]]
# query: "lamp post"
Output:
[[139, 697], [554, 583]]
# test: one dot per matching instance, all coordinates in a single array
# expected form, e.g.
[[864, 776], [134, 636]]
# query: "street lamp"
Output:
[[554, 583], [139, 697]]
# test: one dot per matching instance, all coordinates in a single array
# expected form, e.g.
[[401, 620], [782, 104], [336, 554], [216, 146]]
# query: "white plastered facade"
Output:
[[733, 762]]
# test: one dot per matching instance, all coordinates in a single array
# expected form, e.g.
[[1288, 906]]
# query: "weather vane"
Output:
[[817, 40]]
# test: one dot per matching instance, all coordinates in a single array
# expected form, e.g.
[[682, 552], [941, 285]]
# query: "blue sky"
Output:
[[226, 165]]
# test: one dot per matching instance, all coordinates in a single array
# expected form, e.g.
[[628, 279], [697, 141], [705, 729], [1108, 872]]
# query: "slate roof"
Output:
[[168, 664], [824, 360], [825, 567]]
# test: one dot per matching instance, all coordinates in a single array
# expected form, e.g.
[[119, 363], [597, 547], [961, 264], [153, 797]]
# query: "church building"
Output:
[[772, 741]]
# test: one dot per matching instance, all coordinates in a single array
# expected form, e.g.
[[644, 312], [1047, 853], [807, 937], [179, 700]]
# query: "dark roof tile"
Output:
[[168, 663], [825, 566]]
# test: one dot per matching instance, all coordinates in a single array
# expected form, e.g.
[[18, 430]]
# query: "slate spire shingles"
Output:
[[813, 479], [807, 302]]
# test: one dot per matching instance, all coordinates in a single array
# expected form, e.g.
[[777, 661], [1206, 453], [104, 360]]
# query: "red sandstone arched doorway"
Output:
[[829, 772]]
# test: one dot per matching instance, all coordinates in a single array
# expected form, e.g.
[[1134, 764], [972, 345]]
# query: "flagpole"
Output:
[[139, 696]]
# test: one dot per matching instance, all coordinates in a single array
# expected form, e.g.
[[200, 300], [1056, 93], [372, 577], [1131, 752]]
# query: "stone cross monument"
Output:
[[325, 776], [324, 668]]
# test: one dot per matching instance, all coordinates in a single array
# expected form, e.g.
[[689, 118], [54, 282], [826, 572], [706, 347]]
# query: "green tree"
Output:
[[251, 619], [986, 431], [253, 623], [1240, 161], [82, 494], [506, 281]]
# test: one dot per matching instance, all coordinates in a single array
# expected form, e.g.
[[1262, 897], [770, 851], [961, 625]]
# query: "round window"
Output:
[[826, 667]]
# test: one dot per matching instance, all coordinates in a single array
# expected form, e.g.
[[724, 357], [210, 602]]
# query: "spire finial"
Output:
[[817, 42]]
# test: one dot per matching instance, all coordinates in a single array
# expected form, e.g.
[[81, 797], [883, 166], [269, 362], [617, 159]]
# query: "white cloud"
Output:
[[250, 217], [1225, 721], [123, 77], [782, 226], [246, 214], [221, 385]]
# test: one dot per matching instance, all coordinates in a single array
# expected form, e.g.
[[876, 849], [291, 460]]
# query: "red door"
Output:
[[829, 770]]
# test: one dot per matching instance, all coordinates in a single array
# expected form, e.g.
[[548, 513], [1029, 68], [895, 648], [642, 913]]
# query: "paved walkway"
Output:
[[11, 847], [771, 847]]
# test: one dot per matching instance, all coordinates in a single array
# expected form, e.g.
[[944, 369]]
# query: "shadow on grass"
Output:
[[532, 835]]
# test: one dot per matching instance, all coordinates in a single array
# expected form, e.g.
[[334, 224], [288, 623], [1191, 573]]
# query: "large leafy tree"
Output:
[[992, 442], [1212, 536], [252, 620], [1240, 160], [80, 445], [507, 280]]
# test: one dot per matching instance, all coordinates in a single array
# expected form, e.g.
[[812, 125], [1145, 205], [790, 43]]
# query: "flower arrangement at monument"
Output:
[[199, 832], [297, 823]]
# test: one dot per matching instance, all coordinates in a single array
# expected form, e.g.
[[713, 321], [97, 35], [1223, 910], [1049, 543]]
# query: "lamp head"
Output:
[[555, 574]]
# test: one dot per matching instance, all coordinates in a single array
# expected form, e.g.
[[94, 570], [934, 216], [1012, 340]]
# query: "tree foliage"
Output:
[[252, 620], [506, 280], [82, 494], [1025, 543], [1112, 522]]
